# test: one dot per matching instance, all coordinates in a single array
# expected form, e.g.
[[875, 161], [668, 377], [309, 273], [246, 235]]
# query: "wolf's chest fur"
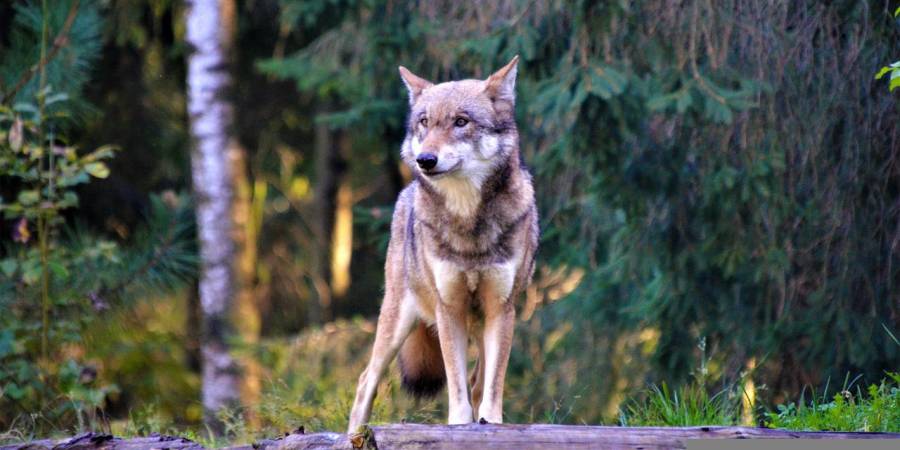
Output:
[[484, 236]]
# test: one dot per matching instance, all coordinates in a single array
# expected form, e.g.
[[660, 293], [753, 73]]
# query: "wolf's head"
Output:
[[460, 132]]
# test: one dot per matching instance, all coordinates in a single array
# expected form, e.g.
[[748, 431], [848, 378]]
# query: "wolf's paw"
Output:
[[363, 438]]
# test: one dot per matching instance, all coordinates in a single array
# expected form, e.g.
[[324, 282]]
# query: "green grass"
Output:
[[875, 409], [689, 405]]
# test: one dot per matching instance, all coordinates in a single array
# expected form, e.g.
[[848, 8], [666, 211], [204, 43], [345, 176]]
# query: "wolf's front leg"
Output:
[[499, 322], [496, 296], [451, 316], [396, 320]]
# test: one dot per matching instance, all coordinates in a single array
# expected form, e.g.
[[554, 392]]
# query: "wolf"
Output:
[[464, 235]]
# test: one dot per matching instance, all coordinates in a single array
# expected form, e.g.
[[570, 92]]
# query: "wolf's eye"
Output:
[[423, 121], [461, 122]]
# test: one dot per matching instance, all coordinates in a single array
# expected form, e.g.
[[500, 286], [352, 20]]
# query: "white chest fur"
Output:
[[462, 195], [455, 283]]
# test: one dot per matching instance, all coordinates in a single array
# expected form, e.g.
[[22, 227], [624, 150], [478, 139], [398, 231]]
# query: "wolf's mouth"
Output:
[[439, 173]]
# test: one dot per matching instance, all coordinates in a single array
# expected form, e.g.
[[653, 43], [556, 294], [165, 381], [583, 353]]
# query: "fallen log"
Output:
[[101, 441], [462, 437]]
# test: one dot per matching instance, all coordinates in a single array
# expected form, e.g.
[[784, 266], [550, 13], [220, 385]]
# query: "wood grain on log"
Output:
[[501, 437], [464, 437], [100, 441]]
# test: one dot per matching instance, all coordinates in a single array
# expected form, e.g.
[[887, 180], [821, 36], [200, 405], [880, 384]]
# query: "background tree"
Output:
[[211, 116]]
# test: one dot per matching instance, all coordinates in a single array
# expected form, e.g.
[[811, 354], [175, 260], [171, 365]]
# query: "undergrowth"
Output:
[[876, 408], [690, 405], [308, 382]]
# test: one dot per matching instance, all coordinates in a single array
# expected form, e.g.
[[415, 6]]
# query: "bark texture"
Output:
[[333, 212], [463, 437], [327, 168], [210, 116]]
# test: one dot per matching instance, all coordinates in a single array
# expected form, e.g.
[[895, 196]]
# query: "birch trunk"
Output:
[[210, 116]]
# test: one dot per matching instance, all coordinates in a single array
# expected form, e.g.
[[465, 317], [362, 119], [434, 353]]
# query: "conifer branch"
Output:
[[58, 43], [166, 244], [152, 262]]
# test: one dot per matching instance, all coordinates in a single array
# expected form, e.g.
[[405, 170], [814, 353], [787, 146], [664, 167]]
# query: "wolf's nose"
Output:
[[427, 161]]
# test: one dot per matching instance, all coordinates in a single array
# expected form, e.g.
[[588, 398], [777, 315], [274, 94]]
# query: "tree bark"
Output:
[[210, 116], [330, 166], [247, 204], [342, 226], [246, 316]]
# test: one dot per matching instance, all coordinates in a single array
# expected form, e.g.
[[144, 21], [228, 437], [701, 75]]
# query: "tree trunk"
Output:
[[342, 227], [247, 209], [210, 116], [329, 168], [321, 226], [249, 199]]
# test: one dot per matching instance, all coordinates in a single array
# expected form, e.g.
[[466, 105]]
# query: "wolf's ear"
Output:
[[501, 85], [414, 83]]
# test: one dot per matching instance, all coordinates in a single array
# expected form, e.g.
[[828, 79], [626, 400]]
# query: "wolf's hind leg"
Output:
[[396, 320]]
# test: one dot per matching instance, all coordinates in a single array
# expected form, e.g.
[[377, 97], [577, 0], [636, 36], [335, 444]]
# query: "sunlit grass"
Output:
[[689, 405], [877, 408]]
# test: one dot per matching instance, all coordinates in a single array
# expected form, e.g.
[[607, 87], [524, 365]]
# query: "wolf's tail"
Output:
[[421, 362]]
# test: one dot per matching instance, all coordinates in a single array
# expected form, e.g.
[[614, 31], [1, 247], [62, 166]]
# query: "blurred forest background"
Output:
[[718, 183]]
